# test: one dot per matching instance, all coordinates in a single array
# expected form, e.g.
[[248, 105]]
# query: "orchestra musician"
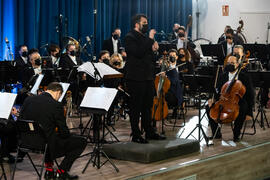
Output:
[[223, 37], [174, 96], [54, 52], [230, 42], [49, 113], [139, 74], [184, 57], [104, 56], [245, 104]]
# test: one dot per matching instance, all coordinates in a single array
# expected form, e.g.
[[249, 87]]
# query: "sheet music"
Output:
[[102, 68], [37, 83], [65, 88], [99, 98], [6, 103]]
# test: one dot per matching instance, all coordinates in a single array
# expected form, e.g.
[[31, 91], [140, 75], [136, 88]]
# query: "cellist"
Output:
[[245, 104]]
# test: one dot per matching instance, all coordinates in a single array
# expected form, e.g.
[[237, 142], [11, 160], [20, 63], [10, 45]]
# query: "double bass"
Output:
[[162, 85], [226, 109]]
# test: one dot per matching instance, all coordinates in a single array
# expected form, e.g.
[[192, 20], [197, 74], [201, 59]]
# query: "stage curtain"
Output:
[[35, 21]]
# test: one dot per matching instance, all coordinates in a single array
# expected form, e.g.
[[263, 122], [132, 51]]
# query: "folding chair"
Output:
[[3, 175], [31, 139]]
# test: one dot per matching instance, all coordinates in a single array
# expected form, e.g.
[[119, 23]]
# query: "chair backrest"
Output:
[[30, 135]]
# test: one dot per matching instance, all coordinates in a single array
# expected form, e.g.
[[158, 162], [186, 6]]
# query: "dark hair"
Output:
[[20, 46], [53, 47], [137, 19], [116, 29], [182, 28], [229, 31], [173, 50], [102, 52], [33, 50], [55, 86]]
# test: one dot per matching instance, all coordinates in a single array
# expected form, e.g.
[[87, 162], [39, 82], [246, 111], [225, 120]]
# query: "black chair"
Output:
[[3, 175], [31, 139]]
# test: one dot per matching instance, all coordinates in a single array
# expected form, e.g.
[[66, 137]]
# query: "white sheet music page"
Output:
[[99, 98], [6, 103], [102, 68], [65, 88], [37, 83]]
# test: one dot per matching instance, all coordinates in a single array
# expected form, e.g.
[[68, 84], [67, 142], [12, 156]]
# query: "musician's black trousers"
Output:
[[141, 102], [238, 123], [71, 148]]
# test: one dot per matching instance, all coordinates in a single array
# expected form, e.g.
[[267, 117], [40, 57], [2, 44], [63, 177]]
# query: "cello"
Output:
[[226, 109], [162, 85]]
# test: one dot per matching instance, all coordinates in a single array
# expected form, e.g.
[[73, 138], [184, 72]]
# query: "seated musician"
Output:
[[104, 56], [245, 104], [34, 69], [174, 96], [223, 37], [54, 51], [116, 62], [49, 113], [69, 60], [185, 57], [8, 137]]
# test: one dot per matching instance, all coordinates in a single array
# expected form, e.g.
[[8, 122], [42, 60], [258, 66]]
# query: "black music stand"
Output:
[[200, 85], [215, 51], [8, 74], [98, 101], [260, 79], [166, 46], [259, 51]]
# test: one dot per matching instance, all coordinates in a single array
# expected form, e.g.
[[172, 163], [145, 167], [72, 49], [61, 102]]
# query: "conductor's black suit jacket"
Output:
[[49, 113], [140, 57]]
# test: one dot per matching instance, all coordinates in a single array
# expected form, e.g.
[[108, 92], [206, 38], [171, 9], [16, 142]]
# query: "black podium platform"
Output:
[[154, 151]]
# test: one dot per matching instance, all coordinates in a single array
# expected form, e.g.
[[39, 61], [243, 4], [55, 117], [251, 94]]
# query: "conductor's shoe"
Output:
[[155, 136], [139, 139]]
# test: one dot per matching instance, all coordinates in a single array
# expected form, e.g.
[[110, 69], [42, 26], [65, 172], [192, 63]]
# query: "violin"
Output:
[[226, 109], [162, 85]]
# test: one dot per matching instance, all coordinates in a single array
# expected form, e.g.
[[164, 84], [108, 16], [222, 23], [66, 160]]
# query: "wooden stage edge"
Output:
[[245, 164]]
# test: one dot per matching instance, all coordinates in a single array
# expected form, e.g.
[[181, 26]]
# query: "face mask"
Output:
[[181, 35], [229, 68], [144, 28], [57, 55], [24, 54], [116, 63], [38, 62], [236, 55], [72, 53], [172, 59], [106, 61], [181, 56], [115, 36]]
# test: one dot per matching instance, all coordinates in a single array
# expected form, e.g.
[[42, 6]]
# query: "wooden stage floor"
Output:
[[136, 170]]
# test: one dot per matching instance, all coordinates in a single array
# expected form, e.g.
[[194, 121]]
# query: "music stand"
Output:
[[260, 79], [166, 46], [200, 84], [98, 101], [214, 50], [259, 51], [8, 74]]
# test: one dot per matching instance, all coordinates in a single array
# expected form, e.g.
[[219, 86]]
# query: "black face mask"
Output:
[[181, 56], [115, 37], [24, 54], [172, 59], [38, 62], [144, 28], [72, 53], [57, 55], [181, 35], [229, 68], [106, 61], [116, 63]]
